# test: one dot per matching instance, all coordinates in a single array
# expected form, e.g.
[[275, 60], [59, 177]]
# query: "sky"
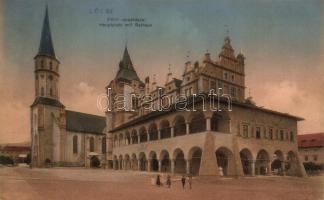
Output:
[[282, 41]]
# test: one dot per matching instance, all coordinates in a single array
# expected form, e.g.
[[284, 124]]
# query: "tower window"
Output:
[[50, 64], [42, 63], [42, 91], [51, 92], [75, 144], [50, 77]]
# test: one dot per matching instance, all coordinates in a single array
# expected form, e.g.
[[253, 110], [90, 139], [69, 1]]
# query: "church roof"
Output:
[[84, 123], [47, 101], [126, 69], [46, 44]]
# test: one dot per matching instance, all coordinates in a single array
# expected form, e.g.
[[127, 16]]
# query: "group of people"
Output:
[[184, 179]]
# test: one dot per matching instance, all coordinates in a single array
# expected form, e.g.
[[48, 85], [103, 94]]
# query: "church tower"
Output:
[[46, 108]]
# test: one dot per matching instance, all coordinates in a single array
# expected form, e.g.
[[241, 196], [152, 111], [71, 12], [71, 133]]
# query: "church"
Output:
[[246, 140]]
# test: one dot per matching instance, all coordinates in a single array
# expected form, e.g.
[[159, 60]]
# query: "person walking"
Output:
[[190, 180], [168, 182], [183, 180]]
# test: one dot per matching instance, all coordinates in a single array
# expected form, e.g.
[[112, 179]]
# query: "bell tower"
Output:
[[47, 127], [46, 65]]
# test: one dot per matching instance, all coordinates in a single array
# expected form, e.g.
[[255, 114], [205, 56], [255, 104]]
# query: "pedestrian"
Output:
[[168, 182], [183, 180], [158, 181], [190, 180]]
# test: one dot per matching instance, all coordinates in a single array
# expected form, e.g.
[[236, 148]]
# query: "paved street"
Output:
[[77, 184]]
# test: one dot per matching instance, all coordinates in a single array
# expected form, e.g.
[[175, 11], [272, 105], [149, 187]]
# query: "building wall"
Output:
[[315, 155]]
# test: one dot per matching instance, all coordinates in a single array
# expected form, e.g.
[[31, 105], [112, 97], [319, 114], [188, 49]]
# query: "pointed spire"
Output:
[[127, 62], [126, 69], [46, 44]]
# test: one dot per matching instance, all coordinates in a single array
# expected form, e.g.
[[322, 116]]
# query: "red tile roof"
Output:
[[311, 140]]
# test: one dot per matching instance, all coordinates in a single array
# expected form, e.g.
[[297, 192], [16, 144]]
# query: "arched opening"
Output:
[[224, 160], [142, 162], [127, 163], [154, 161], [277, 163], [134, 162], [143, 134], [153, 132], [115, 163], [261, 163], [127, 138], [121, 162], [179, 126], [165, 129], [134, 137], [115, 141], [197, 123], [179, 162], [91, 144], [246, 160], [165, 161], [195, 157], [214, 122], [103, 145], [94, 162], [75, 144], [121, 140]]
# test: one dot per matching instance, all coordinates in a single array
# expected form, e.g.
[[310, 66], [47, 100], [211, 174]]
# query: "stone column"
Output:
[[188, 166], [138, 138], [208, 127], [269, 168], [172, 166], [187, 128], [283, 168], [131, 140], [148, 136], [160, 165], [159, 134], [149, 161], [172, 131], [252, 168]]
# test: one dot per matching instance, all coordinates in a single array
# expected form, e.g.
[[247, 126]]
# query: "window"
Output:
[[50, 77], [233, 91], [225, 75], [232, 77], [258, 132], [245, 130], [270, 133], [42, 63], [315, 157], [51, 92], [291, 136], [281, 135], [91, 144], [103, 145], [213, 85], [42, 91], [50, 64], [75, 144], [306, 158]]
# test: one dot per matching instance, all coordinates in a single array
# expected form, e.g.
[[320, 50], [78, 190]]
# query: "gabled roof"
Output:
[[46, 45], [311, 140], [126, 69], [84, 123]]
